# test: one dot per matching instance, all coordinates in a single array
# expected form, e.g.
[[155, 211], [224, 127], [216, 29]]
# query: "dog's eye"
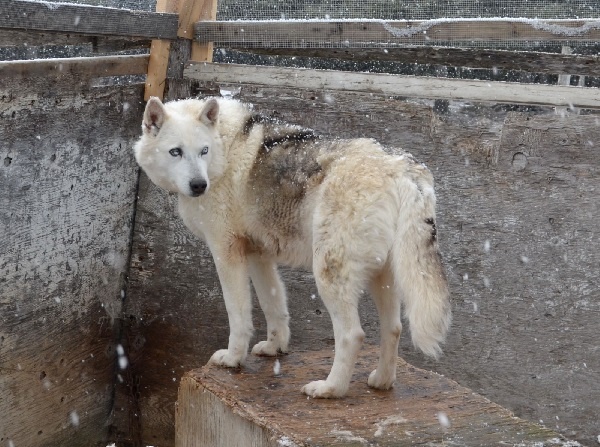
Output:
[[176, 152], [204, 150]]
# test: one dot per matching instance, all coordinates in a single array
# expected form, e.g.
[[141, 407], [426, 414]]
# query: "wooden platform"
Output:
[[255, 407]]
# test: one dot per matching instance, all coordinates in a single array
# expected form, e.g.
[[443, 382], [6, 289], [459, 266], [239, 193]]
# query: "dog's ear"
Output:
[[210, 112], [154, 116]]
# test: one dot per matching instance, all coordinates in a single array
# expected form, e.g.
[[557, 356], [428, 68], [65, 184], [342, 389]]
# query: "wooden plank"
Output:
[[412, 87], [268, 409], [162, 58], [533, 62], [525, 308], [30, 39], [189, 11], [159, 55], [157, 69], [85, 19], [81, 67], [66, 213], [345, 33]]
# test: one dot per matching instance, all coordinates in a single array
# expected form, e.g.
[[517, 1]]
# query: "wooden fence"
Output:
[[87, 254]]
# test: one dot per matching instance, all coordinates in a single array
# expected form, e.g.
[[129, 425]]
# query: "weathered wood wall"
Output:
[[67, 182], [518, 203]]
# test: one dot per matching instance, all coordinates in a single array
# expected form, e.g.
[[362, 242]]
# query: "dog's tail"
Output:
[[418, 271]]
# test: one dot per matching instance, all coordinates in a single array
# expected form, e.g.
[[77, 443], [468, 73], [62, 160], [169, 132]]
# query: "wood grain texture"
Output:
[[342, 33], [386, 84], [256, 407], [68, 184], [143, 406], [162, 53], [530, 61], [525, 311], [85, 19], [157, 69], [201, 10], [45, 39], [81, 67]]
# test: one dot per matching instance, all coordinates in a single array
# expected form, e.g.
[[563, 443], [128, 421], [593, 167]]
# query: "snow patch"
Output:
[[74, 418], [486, 246], [390, 420], [286, 442], [346, 435], [443, 419], [277, 367], [554, 28]]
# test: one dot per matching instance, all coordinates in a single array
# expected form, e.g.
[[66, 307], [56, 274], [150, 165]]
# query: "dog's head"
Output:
[[180, 148]]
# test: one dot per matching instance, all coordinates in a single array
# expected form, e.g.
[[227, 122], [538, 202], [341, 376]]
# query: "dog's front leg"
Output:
[[273, 302], [233, 275]]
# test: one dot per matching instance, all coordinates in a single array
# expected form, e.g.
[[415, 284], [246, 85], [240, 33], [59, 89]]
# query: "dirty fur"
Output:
[[262, 193]]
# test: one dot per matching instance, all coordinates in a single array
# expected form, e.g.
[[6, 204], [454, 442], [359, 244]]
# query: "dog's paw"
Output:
[[223, 358], [267, 348], [377, 380], [320, 389]]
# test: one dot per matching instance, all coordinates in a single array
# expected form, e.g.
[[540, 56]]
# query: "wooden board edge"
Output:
[[397, 85], [87, 19], [362, 33], [86, 67], [525, 61]]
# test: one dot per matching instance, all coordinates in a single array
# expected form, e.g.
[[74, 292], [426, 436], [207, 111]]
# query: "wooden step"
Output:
[[255, 407]]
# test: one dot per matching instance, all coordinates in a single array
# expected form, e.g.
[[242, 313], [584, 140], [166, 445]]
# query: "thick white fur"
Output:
[[364, 224]]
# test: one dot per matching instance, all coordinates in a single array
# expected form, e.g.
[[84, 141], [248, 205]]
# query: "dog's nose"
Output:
[[198, 186]]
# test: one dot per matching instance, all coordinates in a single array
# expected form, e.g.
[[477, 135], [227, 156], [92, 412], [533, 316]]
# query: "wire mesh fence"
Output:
[[516, 24], [405, 9], [466, 23]]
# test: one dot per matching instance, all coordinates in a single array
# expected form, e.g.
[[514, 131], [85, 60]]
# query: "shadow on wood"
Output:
[[255, 407]]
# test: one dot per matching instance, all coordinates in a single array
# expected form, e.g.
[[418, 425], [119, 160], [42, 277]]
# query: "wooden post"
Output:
[[159, 57], [190, 11]]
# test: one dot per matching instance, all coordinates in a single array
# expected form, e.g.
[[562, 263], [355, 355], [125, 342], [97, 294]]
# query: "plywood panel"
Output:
[[68, 191]]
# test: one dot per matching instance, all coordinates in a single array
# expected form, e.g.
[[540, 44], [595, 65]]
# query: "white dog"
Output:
[[261, 192]]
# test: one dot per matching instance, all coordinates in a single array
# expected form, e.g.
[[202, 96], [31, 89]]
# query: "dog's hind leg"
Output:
[[387, 300], [339, 286], [273, 302]]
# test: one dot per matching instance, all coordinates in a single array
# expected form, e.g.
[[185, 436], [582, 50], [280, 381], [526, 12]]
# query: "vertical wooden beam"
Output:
[[159, 56], [190, 11], [193, 11]]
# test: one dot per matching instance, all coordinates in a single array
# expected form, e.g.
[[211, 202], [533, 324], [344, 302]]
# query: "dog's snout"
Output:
[[198, 186]]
